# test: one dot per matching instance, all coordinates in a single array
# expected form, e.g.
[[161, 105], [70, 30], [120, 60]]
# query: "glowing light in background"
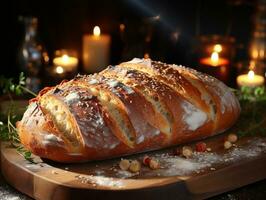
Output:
[[146, 56], [122, 27], [251, 75], [215, 57], [65, 58], [149, 10], [218, 48], [156, 18], [252, 65], [251, 79], [96, 31], [175, 35], [59, 70]]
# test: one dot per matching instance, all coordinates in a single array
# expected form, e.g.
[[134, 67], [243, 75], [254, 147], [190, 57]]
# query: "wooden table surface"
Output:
[[257, 190], [254, 191]]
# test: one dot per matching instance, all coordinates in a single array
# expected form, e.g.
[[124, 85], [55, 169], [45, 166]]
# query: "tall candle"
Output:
[[250, 79], [96, 49]]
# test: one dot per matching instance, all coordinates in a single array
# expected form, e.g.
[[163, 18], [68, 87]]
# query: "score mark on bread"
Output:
[[136, 106]]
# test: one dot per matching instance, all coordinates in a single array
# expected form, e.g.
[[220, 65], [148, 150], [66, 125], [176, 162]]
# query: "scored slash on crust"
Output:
[[94, 115]]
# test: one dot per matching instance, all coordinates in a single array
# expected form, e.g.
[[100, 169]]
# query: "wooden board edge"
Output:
[[199, 187], [25, 182], [239, 175]]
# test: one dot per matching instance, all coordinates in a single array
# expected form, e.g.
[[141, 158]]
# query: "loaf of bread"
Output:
[[137, 106]]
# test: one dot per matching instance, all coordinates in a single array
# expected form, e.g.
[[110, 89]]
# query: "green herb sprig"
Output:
[[249, 94], [252, 119], [7, 85], [8, 130]]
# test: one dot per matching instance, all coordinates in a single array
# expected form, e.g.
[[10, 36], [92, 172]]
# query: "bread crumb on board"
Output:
[[178, 165]]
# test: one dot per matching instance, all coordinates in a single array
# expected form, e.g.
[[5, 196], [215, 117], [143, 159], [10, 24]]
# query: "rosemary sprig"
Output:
[[8, 131], [25, 153], [8, 86]]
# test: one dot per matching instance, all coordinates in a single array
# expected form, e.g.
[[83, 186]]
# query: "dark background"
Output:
[[62, 24]]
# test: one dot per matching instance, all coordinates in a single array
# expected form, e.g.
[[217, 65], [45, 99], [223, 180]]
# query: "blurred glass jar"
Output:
[[32, 56]]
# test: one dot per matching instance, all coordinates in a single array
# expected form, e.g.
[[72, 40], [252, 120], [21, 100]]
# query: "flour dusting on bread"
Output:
[[136, 106], [50, 139], [193, 117]]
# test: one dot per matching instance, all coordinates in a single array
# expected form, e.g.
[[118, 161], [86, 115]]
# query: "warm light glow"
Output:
[[45, 57], [251, 79], [252, 65], [218, 48], [96, 31], [215, 57], [251, 75], [261, 53], [255, 54], [214, 60], [68, 63], [146, 56], [122, 27], [59, 70], [65, 58]]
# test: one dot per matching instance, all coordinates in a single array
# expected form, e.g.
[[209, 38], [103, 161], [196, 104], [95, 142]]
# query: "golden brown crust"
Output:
[[137, 106]]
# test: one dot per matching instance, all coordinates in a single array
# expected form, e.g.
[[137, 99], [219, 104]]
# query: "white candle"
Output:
[[67, 63], [250, 79], [96, 49]]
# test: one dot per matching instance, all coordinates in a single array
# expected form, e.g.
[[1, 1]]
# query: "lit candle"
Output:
[[214, 60], [250, 79], [96, 49], [67, 63]]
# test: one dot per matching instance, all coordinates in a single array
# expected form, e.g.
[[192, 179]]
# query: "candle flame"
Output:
[[59, 70], [215, 57], [96, 31], [251, 75], [218, 48], [65, 58]]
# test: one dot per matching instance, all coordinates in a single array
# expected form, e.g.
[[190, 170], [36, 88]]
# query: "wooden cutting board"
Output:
[[204, 175]]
